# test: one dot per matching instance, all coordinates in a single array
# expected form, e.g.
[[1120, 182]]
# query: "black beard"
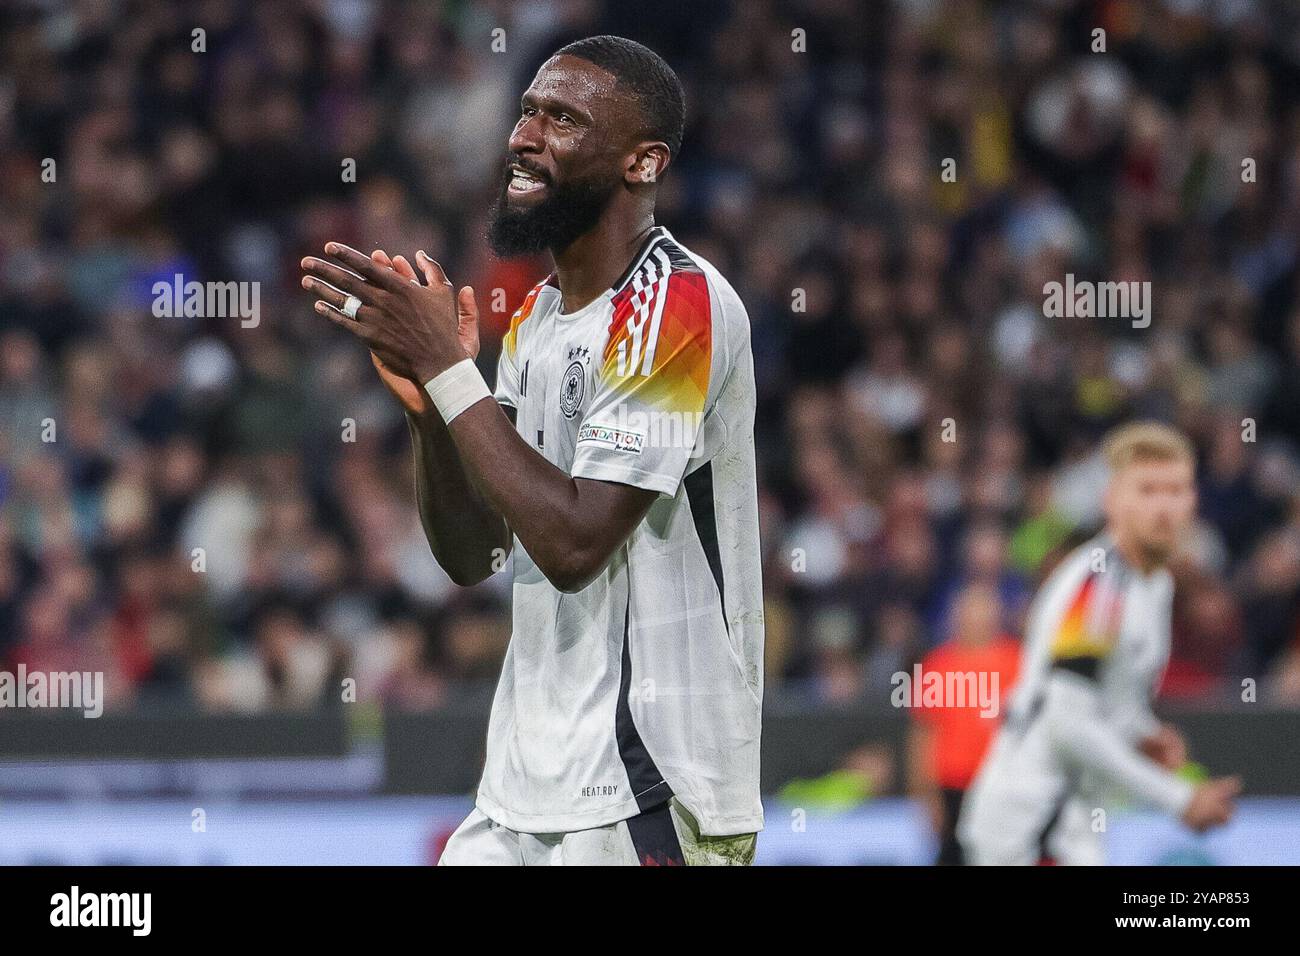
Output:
[[569, 210]]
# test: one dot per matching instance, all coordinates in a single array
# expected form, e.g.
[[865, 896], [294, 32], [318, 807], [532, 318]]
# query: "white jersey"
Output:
[[647, 683], [1096, 647]]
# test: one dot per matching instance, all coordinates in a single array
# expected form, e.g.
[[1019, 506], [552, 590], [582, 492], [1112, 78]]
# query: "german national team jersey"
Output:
[[1098, 617], [1096, 647], [646, 683]]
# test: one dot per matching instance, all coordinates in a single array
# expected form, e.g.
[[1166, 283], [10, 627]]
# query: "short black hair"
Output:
[[642, 72]]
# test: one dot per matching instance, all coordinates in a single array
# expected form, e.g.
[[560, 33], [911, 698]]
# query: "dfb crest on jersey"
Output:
[[572, 387]]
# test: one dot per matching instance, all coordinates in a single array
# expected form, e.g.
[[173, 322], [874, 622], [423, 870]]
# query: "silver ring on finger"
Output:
[[351, 306]]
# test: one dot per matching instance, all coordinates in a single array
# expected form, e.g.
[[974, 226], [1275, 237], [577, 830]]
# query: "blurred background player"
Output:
[[947, 743], [1096, 648]]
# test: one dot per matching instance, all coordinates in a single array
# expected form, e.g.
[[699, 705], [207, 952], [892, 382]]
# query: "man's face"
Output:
[[1151, 504], [978, 616], [567, 155]]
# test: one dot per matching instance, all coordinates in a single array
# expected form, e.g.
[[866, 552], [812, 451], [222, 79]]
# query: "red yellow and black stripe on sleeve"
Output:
[[1088, 629], [660, 341]]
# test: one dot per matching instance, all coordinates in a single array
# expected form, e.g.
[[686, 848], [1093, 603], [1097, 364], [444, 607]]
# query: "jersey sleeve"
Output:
[[509, 376], [1087, 628], [652, 382], [507, 390], [1079, 731]]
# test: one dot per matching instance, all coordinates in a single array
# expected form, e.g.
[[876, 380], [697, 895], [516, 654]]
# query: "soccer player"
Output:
[[617, 462], [1079, 718]]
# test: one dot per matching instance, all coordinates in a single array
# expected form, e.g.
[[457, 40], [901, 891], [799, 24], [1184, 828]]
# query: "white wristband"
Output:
[[456, 389]]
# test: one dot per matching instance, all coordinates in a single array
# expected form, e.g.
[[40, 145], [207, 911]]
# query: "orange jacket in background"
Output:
[[960, 736]]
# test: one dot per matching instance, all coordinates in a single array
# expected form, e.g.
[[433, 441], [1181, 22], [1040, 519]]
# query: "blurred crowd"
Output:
[[220, 513]]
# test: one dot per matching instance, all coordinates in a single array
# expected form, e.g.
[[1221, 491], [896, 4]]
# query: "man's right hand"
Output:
[[410, 394], [1213, 803]]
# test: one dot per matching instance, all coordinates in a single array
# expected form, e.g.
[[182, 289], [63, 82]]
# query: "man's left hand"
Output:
[[412, 328]]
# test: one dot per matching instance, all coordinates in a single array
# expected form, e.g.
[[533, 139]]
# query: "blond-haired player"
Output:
[[1079, 719]]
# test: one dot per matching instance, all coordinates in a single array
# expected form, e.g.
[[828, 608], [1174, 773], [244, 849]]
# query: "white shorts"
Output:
[[664, 836], [994, 834]]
